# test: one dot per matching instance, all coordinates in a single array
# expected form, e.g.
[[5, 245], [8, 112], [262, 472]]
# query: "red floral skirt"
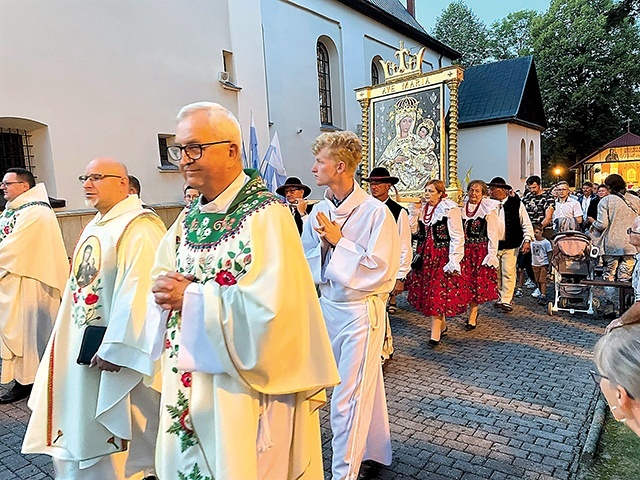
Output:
[[482, 281], [430, 290]]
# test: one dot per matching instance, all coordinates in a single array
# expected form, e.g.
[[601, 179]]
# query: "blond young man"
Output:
[[352, 245]]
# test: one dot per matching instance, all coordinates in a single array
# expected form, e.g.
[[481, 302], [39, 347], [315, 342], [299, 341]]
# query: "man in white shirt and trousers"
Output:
[[381, 181], [352, 245]]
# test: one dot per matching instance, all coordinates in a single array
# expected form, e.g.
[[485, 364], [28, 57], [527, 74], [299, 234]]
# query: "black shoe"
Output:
[[505, 307], [17, 392], [369, 470], [444, 332], [468, 326], [434, 343]]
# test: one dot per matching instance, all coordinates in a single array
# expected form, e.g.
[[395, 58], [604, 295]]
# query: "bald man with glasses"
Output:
[[92, 410]]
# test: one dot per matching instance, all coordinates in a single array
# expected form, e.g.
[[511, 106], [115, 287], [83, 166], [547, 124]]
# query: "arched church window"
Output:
[[324, 84]]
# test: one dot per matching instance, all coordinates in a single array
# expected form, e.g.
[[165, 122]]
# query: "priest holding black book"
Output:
[[100, 420]]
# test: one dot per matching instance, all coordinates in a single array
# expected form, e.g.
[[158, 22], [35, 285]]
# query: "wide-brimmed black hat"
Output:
[[382, 175], [499, 182], [293, 182]]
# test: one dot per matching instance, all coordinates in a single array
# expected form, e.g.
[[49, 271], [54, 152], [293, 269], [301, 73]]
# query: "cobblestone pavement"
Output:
[[511, 399]]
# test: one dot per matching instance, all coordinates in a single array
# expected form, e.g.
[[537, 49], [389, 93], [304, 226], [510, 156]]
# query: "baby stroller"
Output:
[[572, 262]]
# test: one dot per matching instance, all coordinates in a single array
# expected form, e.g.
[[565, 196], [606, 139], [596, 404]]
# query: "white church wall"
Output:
[[108, 77], [292, 79], [519, 168], [484, 150]]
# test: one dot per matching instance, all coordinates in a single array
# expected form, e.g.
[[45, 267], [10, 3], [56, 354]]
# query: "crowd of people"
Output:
[[205, 350]]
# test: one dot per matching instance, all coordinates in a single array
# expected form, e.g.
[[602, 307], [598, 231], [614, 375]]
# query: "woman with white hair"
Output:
[[617, 358]]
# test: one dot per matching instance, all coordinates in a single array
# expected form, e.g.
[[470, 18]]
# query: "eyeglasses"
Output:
[[630, 231], [193, 150], [95, 177], [6, 184], [598, 378]]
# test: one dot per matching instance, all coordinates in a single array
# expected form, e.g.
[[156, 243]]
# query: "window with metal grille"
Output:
[[15, 150], [165, 164], [375, 75], [324, 85]]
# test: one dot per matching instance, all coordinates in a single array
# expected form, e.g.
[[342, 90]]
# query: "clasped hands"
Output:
[[168, 290], [328, 230]]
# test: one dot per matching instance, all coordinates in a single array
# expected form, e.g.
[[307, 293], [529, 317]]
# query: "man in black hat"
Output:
[[295, 192], [515, 234], [381, 181]]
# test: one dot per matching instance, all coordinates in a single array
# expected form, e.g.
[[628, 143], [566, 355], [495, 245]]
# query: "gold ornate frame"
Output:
[[403, 80]]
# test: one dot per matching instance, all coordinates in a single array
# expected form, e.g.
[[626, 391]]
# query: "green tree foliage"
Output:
[[589, 76], [510, 37], [463, 30], [623, 10]]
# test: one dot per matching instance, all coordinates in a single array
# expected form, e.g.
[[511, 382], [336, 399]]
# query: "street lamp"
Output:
[[557, 171]]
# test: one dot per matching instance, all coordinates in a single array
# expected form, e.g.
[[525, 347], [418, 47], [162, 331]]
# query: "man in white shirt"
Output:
[[567, 212], [352, 245], [515, 233], [381, 181]]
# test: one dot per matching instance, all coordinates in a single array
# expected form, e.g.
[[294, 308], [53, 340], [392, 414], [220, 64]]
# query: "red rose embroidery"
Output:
[[227, 264], [91, 299], [225, 278], [247, 259], [7, 230], [186, 379], [75, 297], [185, 422], [167, 343]]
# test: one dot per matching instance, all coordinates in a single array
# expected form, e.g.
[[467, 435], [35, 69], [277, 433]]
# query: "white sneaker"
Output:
[[536, 293], [529, 284]]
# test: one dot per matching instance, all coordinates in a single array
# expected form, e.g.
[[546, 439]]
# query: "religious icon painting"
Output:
[[407, 137], [86, 263]]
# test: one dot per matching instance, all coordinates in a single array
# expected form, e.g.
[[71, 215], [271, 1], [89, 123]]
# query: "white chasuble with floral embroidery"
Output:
[[33, 271], [262, 320], [79, 413]]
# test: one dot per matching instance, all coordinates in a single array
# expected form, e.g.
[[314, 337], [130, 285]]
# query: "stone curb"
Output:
[[595, 429]]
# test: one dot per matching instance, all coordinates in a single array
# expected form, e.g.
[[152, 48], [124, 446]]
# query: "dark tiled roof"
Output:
[[393, 14], [500, 92], [627, 139]]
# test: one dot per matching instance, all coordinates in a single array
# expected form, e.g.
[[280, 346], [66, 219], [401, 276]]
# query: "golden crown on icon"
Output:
[[407, 64]]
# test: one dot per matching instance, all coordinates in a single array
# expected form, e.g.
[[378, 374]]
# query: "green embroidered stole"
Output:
[[204, 231]]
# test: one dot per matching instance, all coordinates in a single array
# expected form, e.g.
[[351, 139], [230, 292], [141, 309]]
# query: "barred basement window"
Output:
[[15, 150]]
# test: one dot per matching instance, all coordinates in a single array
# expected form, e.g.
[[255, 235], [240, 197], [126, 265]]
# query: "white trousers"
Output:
[[359, 417], [507, 274], [134, 464]]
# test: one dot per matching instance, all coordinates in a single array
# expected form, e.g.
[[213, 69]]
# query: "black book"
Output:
[[91, 341]]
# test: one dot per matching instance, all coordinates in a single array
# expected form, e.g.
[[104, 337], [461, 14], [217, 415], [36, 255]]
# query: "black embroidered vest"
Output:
[[439, 232], [512, 226], [475, 230], [395, 208]]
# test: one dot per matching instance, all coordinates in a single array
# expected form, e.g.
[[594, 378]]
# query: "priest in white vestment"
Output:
[[246, 356], [352, 245], [100, 421], [33, 272]]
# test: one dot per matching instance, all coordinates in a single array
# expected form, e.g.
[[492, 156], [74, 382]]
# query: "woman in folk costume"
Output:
[[436, 287], [480, 219]]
